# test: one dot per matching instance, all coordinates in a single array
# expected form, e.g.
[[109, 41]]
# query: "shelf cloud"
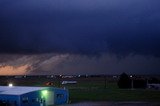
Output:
[[47, 35]]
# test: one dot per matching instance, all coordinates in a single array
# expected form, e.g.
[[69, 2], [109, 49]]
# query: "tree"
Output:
[[124, 81]]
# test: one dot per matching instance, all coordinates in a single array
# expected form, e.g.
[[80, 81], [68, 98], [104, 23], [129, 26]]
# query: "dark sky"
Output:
[[92, 32]]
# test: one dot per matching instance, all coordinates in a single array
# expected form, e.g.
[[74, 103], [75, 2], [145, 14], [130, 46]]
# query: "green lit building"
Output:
[[32, 96]]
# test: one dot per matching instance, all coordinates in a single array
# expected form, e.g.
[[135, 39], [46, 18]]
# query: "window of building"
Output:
[[60, 95], [25, 100], [35, 100]]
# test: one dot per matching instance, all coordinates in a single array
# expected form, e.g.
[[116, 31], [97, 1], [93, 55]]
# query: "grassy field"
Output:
[[97, 90], [90, 89], [108, 94]]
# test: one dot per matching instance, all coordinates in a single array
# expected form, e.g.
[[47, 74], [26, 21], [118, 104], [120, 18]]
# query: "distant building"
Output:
[[32, 96], [154, 86], [69, 82]]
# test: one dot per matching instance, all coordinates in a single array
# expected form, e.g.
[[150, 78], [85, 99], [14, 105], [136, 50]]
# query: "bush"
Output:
[[124, 81]]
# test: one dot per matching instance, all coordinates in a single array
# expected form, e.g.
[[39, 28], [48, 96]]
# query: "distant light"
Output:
[[131, 76], [10, 84]]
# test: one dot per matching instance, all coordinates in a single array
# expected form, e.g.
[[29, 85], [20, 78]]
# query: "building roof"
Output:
[[18, 90]]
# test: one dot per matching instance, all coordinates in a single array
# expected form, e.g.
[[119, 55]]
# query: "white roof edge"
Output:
[[19, 90]]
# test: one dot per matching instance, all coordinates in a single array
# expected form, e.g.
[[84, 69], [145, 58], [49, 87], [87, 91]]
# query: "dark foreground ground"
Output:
[[113, 104], [94, 89]]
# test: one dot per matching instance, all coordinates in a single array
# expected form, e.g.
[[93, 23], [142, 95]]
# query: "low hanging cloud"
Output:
[[48, 64], [30, 64], [109, 64], [13, 70], [80, 27]]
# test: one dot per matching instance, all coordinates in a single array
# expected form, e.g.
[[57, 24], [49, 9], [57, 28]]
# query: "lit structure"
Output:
[[32, 96]]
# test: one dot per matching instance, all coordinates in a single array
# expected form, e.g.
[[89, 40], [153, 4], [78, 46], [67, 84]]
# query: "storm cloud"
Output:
[[66, 64], [79, 37], [80, 26]]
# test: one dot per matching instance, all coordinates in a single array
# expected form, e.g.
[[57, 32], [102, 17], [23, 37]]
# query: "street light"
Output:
[[131, 81], [10, 85]]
